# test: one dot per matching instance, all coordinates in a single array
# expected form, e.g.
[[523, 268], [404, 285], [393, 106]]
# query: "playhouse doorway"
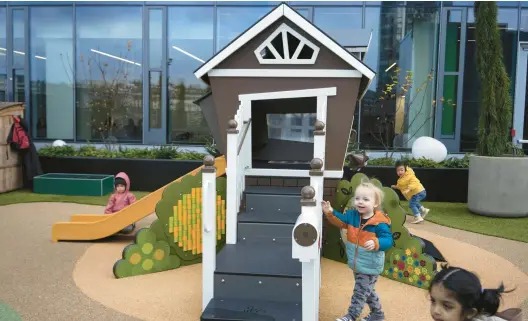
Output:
[[283, 132]]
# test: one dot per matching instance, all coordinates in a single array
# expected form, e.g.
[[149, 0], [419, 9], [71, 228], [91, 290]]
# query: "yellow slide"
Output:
[[86, 227]]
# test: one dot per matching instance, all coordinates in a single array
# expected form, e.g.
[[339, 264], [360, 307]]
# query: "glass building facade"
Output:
[[89, 71]]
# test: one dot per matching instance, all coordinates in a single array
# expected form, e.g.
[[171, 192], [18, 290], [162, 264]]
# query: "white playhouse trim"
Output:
[[284, 11], [284, 29], [286, 73]]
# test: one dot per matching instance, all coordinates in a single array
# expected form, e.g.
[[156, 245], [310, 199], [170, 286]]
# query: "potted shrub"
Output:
[[498, 180]]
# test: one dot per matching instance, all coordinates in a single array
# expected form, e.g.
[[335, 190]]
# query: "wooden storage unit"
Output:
[[10, 161]]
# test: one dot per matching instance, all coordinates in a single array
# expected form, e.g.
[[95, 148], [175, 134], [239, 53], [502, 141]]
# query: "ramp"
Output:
[[87, 227]]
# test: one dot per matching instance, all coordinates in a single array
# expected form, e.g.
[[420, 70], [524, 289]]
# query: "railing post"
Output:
[[232, 182], [317, 182], [305, 247], [320, 141], [209, 229]]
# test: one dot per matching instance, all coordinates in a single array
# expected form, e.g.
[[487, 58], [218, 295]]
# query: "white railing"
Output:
[[209, 229], [306, 238], [238, 160]]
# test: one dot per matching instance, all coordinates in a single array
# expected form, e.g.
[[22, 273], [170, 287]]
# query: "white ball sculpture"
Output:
[[58, 143], [429, 148]]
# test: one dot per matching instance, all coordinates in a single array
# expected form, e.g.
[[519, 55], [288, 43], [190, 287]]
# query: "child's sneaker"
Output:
[[372, 317], [424, 211], [417, 219], [345, 318]]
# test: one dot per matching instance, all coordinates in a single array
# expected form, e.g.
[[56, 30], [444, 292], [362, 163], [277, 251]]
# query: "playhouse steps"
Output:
[[272, 200], [258, 270], [257, 278], [221, 309]]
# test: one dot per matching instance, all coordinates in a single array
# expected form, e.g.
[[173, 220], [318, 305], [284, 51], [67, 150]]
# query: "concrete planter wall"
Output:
[[498, 186], [145, 174]]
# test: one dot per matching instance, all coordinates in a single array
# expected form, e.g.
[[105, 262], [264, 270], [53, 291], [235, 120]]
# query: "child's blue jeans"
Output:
[[414, 202]]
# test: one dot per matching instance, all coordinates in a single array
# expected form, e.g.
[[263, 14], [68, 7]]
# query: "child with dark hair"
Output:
[[412, 189], [121, 198], [457, 295]]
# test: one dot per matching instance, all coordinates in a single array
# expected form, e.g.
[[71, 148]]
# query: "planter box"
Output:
[[73, 184], [441, 184], [145, 174], [498, 185]]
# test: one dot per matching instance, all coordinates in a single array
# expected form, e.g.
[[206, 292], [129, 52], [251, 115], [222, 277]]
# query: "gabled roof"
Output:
[[283, 10]]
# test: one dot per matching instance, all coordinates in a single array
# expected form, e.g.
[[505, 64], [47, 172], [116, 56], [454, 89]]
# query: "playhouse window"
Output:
[[286, 46]]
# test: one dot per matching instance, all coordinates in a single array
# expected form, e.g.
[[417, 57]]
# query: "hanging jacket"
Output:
[[119, 201], [409, 184], [377, 229], [20, 140]]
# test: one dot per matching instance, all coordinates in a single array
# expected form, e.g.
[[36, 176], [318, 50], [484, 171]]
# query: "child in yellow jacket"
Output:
[[412, 190]]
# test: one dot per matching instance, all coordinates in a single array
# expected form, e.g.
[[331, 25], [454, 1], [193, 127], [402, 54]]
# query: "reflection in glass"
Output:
[[291, 127], [305, 12], [18, 85], [19, 59], [448, 111], [508, 23], [155, 33], [337, 22], [109, 74], [452, 40], [3, 56], [190, 38], [155, 99], [233, 21], [51, 59], [399, 104]]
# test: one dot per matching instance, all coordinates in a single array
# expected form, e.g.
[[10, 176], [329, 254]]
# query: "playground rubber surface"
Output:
[[41, 280]]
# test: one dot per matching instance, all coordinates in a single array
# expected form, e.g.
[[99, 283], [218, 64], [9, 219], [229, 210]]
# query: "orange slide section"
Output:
[[86, 227]]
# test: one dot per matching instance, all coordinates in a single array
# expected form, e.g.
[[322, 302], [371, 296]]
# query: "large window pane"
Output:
[[449, 96], [18, 85], [3, 54], [508, 25], [399, 105], [338, 22], [233, 21], [190, 38], [51, 62], [155, 111], [108, 73], [452, 40], [19, 38], [155, 33]]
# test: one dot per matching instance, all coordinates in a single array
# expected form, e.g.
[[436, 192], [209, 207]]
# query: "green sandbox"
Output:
[[73, 184]]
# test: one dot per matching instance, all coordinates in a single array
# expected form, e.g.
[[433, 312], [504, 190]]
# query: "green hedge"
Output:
[[422, 162], [163, 152]]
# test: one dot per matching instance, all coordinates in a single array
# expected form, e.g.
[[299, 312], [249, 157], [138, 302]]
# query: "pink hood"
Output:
[[119, 201], [124, 176]]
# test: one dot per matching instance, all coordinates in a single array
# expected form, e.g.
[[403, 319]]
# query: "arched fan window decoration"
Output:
[[286, 46]]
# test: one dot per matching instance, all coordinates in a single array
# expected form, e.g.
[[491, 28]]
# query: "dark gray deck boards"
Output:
[[220, 309], [262, 258], [270, 217]]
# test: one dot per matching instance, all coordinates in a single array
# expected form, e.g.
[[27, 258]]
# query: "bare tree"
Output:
[[411, 123]]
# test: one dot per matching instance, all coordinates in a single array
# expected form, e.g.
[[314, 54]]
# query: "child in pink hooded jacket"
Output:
[[121, 198]]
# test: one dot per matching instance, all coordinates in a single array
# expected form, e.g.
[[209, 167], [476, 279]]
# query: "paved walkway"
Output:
[[44, 281]]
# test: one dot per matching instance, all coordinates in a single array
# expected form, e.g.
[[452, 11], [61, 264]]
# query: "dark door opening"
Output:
[[282, 132]]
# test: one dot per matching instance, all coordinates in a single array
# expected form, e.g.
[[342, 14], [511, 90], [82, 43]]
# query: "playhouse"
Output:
[[281, 107]]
